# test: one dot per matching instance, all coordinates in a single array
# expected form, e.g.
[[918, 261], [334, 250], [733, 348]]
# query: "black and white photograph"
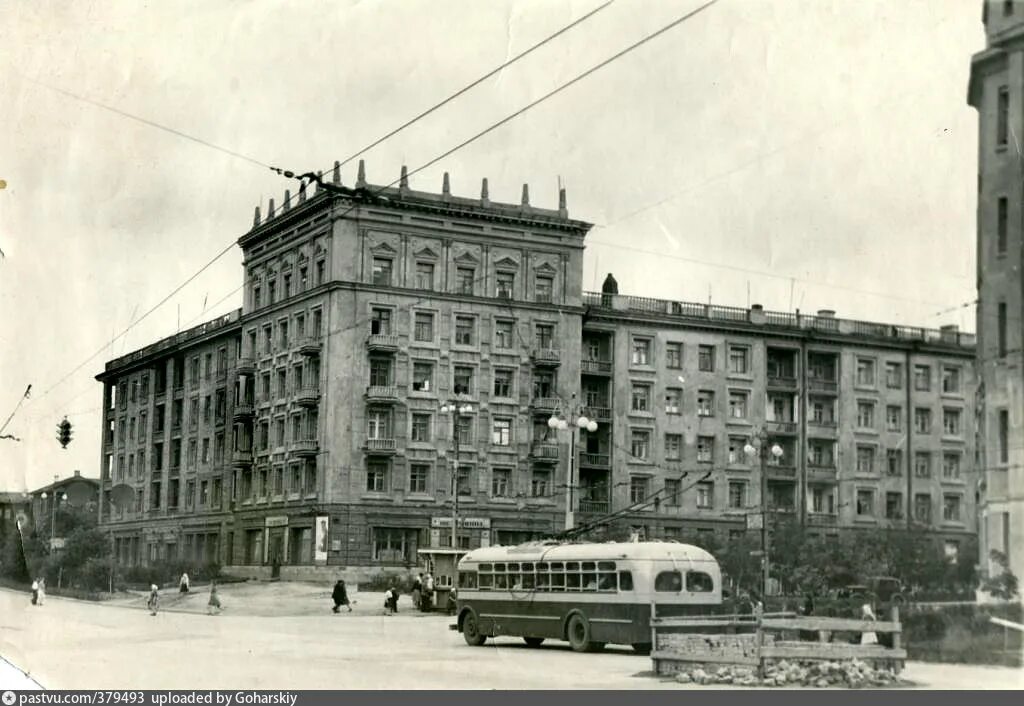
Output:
[[548, 345]]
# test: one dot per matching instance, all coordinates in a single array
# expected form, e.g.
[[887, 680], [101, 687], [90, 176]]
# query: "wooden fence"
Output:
[[761, 638]]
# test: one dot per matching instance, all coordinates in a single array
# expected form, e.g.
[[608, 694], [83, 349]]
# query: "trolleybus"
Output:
[[587, 594]]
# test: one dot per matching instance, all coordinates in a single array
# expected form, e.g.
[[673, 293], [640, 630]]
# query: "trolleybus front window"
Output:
[[669, 581], [625, 580], [699, 582]]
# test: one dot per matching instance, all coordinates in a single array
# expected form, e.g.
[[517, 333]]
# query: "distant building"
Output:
[[14, 507], [306, 430], [74, 491], [997, 92]]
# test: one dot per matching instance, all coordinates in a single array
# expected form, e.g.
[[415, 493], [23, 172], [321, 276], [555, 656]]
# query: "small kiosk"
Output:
[[442, 563]]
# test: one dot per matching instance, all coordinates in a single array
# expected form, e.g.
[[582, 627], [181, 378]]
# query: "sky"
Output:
[[799, 154]]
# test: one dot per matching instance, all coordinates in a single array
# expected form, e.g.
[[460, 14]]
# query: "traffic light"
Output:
[[64, 433]]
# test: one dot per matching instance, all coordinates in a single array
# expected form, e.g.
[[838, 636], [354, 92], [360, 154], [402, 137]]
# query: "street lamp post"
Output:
[[763, 450], [581, 422], [53, 511], [455, 410]]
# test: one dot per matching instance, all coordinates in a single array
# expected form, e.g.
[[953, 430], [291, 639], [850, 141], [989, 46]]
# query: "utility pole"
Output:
[[456, 411]]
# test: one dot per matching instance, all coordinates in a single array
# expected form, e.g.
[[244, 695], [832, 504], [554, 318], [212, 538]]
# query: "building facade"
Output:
[[400, 351], [996, 91]]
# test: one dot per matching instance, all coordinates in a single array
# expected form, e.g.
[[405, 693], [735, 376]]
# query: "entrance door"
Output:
[[276, 553]]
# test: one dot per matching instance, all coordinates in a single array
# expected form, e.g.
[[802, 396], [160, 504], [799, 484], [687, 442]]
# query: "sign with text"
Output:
[[279, 521], [464, 522], [320, 546]]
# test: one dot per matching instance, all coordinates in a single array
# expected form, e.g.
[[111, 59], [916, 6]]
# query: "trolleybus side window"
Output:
[[669, 581], [543, 578], [625, 580], [572, 576], [528, 582], [606, 576], [467, 579], [699, 582], [589, 576], [486, 577], [557, 576]]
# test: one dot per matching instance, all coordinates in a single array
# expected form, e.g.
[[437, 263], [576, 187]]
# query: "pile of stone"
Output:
[[786, 673]]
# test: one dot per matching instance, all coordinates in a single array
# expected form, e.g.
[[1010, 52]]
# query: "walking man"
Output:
[[340, 596], [154, 599]]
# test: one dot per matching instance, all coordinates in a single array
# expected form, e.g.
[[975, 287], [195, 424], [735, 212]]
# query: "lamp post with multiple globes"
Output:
[[456, 410], [763, 450], [580, 422]]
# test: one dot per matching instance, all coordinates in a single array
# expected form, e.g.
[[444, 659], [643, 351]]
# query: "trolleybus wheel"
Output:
[[579, 633], [471, 630], [642, 648], [533, 641]]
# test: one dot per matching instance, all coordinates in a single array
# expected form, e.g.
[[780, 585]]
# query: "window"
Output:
[[641, 351], [669, 581], [502, 382], [418, 474], [673, 492], [464, 327], [266, 397], [894, 506], [279, 432], [421, 424], [641, 399], [257, 297], [705, 449], [706, 359], [540, 483], [465, 280], [738, 404], [739, 363], [673, 447], [672, 396], [674, 355], [382, 271], [501, 481], [821, 453], [506, 282], [866, 415], [206, 451], [950, 379], [422, 376], [1001, 225], [737, 495], [1001, 329], [282, 329], [737, 456], [501, 432], [894, 462], [1007, 8], [380, 372], [705, 403], [640, 444], [823, 501], [423, 328], [923, 464], [866, 372], [1002, 116], [638, 489], [424, 275], [503, 333], [544, 384], [923, 508], [380, 322], [951, 466], [951, 422], [922, 378], [822, 411], [865, 459], [893, 375], [866, 503], [951, 508], [893, 418], [922, 420], [543, 289], [376, 476], [1004, 436], [545, 336], [378, 424], [705, 495], [463, 380]]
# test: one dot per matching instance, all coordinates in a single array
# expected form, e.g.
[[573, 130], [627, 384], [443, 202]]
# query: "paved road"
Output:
[[71, 644]]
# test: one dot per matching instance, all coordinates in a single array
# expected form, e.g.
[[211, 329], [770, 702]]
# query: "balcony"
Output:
[[781, 471], [308, 396], [381, 393], [310, 345], [596, 367], [823, 385], [245, 366], [594, 507], [821, 472], [595, 460], [781, 382], [241, 457], [598, 414], [822, 519], [545, 405], [382, 342], [244, 410], [547, 357], [304, 447], [381, 446], [544, 451], [781, 427]]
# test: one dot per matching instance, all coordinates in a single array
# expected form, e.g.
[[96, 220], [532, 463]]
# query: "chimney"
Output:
[[361, 176], [526, 194], [403, 180], [270, 210], [485, 197], [827, 313], [287, 200], [256, 217], [78, 474], [950, 333], [756, 314], [446, 187], [302, 191], [337, 172], [562, 210]]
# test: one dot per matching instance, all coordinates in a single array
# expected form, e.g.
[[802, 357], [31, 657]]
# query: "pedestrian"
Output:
[[154, 599], [393, 600], [428, 592], [42, 590], [35, 592], [183, 584], [869, 637], [340, 596], [213, 606], [417, 591], [387, 602]]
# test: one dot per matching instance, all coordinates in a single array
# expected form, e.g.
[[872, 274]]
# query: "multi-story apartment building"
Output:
[[369, 311], [997, 92]]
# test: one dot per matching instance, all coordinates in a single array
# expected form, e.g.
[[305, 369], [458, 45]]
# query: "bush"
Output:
[[168, 572], [962, 634]]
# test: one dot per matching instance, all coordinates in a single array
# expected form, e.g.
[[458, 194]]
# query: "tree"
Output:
[[1004, 585]]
